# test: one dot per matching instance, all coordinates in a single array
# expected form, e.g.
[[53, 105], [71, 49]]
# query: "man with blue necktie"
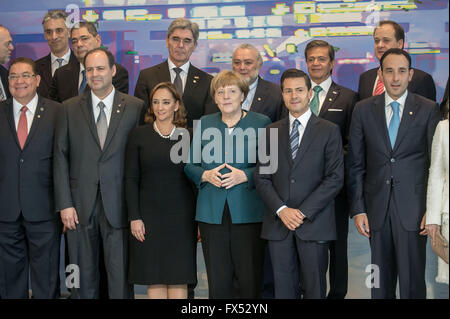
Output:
[[389, 155]]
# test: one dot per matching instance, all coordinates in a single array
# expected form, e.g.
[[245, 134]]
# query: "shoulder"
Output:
[[120, 68], [129, 99], [75, 101], [153, 69], [343, 90], [368, 102], [423, 101], [44, 60], [197, 71], [258, 118], [68, 69], [421, 75], [48, 102], [268, 84], [368, 73]]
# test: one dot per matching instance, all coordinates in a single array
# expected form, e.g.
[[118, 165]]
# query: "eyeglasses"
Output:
[[177, 40], [25, 76], [83, 39]]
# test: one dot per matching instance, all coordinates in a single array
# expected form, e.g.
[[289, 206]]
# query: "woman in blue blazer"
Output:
[[229, 211]]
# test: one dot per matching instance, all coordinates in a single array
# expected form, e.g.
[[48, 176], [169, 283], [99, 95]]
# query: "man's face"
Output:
[[57, 35], [296, 96], [319, 64], [245, 62], [6, 46], [396, 75], [180, 44], [83, 42], [384, 39], [98, 73], [23, 82]]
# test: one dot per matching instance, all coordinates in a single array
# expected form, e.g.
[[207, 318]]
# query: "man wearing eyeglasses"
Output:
[[57, 35], [6, 48], [30, 230], [191, 82], [70, 80]]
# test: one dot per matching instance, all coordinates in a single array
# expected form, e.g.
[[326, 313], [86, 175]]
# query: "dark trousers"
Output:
[[398, 252], [84, 249], [297, 261], [338, 271], [29, 248], [233, 250]]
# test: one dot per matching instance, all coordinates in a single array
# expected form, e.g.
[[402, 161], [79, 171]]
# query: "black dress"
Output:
[[159, 193]]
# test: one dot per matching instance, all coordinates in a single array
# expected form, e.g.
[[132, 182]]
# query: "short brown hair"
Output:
[[227, 78], [399, 32], [320, 44], [185, 24], [85, 24], [26, 61], [179, 118]]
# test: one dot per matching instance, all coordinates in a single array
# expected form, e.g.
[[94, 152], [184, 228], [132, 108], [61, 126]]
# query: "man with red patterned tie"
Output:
[[387, 35], [30, 229]]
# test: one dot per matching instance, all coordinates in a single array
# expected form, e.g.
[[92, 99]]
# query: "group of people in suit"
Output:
[[99, 167]]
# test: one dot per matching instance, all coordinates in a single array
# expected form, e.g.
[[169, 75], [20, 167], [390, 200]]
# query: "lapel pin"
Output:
[[196, 77], [410, 113], [195, 81], [118, 111], [119, 105], [334, 92], [42, 108], [330, 99], [39, 116], [259, 99]]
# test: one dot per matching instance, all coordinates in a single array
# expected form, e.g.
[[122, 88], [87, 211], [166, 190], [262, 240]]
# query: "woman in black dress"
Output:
[[160, 201]]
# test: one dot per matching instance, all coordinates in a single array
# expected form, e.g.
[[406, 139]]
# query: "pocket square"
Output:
[[335, 110]]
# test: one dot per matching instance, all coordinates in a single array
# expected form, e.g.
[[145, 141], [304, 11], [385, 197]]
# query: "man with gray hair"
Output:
[[6, 48], [191, 82], [57, 35], [264, 96]]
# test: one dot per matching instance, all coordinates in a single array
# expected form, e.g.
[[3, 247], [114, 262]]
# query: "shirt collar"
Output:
[[65, 57], [108, 101], [184, 67], [388, 100], [254, 84], [304, 118], [32, 105], [325, 85]]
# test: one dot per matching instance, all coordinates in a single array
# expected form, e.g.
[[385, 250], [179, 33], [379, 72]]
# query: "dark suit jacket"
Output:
[[4, 79], [81, 167], [373, 161], [66, 78], [196, 98], [309, 183], [421, 83], [26, 176], [44, 69]]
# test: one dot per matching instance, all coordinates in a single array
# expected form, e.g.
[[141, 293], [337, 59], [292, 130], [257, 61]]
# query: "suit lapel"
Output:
[[38, 117], [192, 81], [332, 96], [380, 117], [10, 117], [116, 115], [74, 79], [307, 138], [86, 108], [283, 138], [163, 73], [46, 67], [409, 112]]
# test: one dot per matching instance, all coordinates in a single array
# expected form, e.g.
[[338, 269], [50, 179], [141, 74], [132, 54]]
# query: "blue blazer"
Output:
[[243, 201]]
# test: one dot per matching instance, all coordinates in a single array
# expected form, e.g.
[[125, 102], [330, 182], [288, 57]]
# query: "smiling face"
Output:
[[396, 75], [180, 44], [99, 74], [6, 46], [296, 95], [23, 82], [83, 42], [319, 64], [245, 62], [384, 39], [57, 36], [229, 99], [164, 105]]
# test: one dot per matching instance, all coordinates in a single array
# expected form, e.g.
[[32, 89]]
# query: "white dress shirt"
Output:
[[303, 119], [32, 105], [325, 85], [55, 64], [108, 101], [183, 73], [251, 94], [388, 108]]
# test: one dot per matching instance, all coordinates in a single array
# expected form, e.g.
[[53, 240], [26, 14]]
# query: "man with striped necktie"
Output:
[[299, 219], [389, 156]]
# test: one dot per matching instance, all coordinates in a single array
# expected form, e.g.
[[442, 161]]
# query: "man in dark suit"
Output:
[[70, 80], [91, 135], [334, 103], [30, 229], [389, 34], [389, 153], [6, 47], [191, 82], [299, 195], [264, 96], [57, 35]]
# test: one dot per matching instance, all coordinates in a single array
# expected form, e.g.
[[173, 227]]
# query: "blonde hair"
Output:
[[227, 78]]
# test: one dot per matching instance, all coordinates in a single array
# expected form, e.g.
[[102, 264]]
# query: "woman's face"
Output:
[[229, 99], [164, 105]]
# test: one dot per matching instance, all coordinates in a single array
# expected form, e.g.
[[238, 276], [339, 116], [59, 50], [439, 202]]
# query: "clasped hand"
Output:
[[292, 218], [228, 180]]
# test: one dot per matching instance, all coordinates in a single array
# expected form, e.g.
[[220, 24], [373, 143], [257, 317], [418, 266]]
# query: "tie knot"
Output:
[[395, 106], [177, 70], [60, 61], [317, 89], [23, 109], [101, 105], [295, 124]]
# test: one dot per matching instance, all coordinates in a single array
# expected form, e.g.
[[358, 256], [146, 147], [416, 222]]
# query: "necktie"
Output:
[[379, 88], [83, 82], [177, 82], [314, 104], [394, 123], [102, 125], [60, 62], [22, 127], [2, 94], [294, 138]]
